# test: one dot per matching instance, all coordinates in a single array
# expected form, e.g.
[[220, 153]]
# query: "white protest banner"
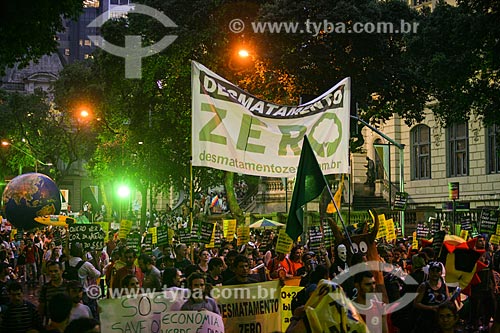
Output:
[[151, 312], [235, 131], [251, 307]]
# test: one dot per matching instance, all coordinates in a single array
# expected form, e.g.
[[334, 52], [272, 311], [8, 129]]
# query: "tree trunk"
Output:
[[144, 196], [232, 202]]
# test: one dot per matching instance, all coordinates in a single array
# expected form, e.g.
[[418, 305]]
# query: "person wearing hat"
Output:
[[79, 310], [430, 294]]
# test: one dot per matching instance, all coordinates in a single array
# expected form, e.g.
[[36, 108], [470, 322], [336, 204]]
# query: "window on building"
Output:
[[421, 152], [458, 150], [493, 149]]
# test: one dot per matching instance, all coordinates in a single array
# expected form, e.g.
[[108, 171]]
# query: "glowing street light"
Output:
[[243, 53], [6, 143]]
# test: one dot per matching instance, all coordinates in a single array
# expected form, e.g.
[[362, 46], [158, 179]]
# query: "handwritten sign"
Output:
[[154, 235], [495, 239], [287, 294], [202, 232], [148, 242], [489, 220], [315, 238], [90, 236], [211, 245], [382, 230], [422, 231], [243, 234], [184, 236], [162, 235], [125, 227], [229, 229], [391, 231], [284, 243], [152, 312], [437, 242], [466, 223], [400, 200], [134, 241]]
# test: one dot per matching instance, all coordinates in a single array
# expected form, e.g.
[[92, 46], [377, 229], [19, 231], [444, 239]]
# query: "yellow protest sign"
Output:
[[287, 294], [229, 229], [125, 227], [391, 231], [382, 229], [284, 243], [211, 245], [243, 234], [251, 307], [171, 235], [414, 242], [495, 239], [154, 235], [464, 234]]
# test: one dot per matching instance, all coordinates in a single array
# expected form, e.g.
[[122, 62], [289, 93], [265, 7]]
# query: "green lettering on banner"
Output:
[[206, 132], [288, 140], [247, 132]]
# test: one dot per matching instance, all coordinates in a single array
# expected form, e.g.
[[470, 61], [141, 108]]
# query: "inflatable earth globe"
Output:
[[28, 196]]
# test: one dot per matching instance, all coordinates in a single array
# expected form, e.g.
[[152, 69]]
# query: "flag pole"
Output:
[[338, 212]]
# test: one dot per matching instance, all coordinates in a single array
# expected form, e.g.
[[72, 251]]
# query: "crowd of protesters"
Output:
[[37, 260]]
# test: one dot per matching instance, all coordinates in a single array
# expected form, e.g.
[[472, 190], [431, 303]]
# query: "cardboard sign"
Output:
[[243, 234], [125, 227], [202, 232], [400, 201], [162, 236], [422, 231], [134, 241], [284, 243], [287, 294], [466, 223], [255, 308], [154, 235], [229, 229], [148, 242], [184, 236], [90, 236], [489, 220], [152, 312], [315, 238], [382, 230], [391, 231]]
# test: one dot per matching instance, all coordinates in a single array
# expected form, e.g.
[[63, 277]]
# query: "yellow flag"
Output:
[[337, 197]]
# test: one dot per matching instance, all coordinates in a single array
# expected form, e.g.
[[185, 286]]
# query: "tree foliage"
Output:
[[28, 28]]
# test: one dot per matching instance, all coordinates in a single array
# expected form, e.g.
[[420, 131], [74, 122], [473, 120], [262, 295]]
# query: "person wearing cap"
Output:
[[79, 310], [430, 294]]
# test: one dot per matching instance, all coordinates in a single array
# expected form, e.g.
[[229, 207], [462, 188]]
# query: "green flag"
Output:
[[309, 183]]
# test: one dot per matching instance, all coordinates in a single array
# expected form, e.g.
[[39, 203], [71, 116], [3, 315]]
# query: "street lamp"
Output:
[[6, 143]]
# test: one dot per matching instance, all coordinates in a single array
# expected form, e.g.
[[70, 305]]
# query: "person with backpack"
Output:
[[56, 285], [86, 272]]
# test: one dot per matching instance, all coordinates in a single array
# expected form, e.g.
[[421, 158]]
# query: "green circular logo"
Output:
[[326, 149]]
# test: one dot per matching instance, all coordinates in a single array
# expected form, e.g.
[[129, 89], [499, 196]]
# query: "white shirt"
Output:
[[80, 311]]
